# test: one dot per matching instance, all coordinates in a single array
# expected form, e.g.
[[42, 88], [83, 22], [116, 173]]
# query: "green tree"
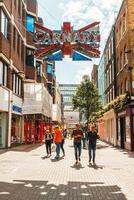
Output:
[[87, 99]]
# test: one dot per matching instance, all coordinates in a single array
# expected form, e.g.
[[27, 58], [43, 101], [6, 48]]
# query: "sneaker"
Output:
[[76, 162], [94, 163], [90, 162], [56, 157]]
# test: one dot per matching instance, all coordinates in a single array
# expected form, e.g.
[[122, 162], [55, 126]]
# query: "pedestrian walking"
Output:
[[77, 134], [62, 143], [65, 133], [57, 141], [48, 141], [84, 140], [92, 137]]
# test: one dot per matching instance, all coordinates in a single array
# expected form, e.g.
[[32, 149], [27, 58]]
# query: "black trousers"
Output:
[[48, 146], [62, 148]]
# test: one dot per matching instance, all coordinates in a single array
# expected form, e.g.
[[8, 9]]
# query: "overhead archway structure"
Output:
[[80, 45]]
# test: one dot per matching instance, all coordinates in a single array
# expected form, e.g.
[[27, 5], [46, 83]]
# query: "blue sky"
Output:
[[79, 13]]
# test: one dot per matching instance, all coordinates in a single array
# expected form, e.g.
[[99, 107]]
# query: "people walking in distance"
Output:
[[65, 133], [77, 134], [48, 141], [92, 137], [84, 139], [62, 144], [57, 141]]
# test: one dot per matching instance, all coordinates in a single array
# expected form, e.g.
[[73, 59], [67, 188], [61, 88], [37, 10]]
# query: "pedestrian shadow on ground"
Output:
[[77, 166], [95, 166], [100, 146], [40, 190], [57, 159], [45, 157], [72, 146]]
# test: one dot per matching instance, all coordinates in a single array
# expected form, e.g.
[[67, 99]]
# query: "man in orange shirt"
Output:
[[57, 141]]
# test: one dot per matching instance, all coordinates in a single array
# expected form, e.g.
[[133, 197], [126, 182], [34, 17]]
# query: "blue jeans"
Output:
[[58, 145], [92, 150], [77, 150]]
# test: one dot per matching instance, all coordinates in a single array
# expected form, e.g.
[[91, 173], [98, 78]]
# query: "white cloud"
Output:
[[84, 12]]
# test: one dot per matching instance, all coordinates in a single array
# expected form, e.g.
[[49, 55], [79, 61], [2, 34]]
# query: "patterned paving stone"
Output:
[[25, 174]]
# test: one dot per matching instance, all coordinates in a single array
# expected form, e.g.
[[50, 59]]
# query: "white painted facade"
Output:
[[56, 111], [4, 100], [37, 99]]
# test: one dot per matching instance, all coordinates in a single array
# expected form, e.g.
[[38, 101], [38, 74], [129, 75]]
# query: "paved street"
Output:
[[26, 175]]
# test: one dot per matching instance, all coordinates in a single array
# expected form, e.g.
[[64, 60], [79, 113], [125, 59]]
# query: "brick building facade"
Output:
[[19, 70], [124, 73], [118, 124]]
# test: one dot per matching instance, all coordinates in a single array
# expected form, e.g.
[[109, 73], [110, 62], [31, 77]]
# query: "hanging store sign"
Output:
[[54, 45]]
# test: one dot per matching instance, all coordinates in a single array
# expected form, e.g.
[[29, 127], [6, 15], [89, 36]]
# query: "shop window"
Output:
[[30, 23], [3, 73], [4, 24]]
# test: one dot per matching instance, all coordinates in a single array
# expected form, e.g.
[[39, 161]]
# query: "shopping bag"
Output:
[[53, 148]]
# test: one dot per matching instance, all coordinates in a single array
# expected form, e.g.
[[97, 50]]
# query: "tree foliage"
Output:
[[87, 99]]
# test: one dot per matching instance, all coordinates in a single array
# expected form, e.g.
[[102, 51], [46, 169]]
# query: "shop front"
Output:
[[107, 127], [110, 130], [4, 116], [37, 111], [34, 128], [16, 125], [124, 128]]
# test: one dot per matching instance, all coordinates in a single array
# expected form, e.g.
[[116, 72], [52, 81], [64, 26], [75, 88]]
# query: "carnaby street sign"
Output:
[[82, 44]]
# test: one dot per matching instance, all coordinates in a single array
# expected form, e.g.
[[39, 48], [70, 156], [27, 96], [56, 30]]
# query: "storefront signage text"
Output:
[[17, 109]]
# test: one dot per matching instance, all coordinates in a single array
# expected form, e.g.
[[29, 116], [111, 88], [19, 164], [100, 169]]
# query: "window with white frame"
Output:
[[3, 73], [17, 84], [4, 23], [110, 78]]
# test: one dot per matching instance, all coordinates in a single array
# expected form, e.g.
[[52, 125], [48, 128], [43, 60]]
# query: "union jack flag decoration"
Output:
[[82, 44]]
